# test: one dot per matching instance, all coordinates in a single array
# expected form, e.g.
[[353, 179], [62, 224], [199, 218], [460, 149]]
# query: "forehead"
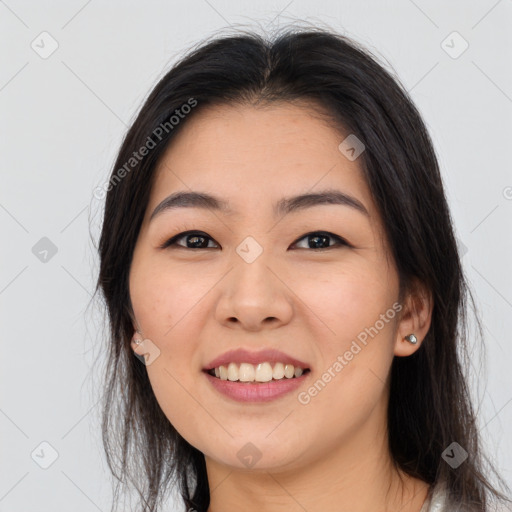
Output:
[[252, 155]]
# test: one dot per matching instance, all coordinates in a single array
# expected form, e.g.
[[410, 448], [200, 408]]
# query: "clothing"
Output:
[[436, 501]]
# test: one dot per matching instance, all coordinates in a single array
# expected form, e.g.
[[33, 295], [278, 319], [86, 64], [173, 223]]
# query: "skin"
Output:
[[330, 454]]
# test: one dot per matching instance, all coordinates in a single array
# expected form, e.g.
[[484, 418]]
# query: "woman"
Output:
[[285, 296]]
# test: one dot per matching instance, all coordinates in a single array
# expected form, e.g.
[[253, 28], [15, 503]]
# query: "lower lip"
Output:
[[256, 392]]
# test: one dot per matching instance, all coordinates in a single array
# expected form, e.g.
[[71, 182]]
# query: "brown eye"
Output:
[[320, 240], [193, 240], [198, 240]]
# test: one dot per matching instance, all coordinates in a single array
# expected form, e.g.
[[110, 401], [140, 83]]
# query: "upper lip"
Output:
[[241, 355]]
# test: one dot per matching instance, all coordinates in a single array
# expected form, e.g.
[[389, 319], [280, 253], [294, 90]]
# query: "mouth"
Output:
[[260, 383], [257, 374]]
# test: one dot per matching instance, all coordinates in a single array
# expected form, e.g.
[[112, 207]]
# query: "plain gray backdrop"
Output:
[[72, 78]]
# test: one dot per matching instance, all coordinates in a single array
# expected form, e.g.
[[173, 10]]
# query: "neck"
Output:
[[348, 479]]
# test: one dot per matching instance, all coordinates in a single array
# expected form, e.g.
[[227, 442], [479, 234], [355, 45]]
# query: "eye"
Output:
[[197, 239], [320, 238]]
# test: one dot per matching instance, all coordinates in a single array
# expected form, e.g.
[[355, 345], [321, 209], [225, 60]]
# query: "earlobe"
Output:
[[411, 338], [407, 345], [415, 321], [137, 338], [138, 344]]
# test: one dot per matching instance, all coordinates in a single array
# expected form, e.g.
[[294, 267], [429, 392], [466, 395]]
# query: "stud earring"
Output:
[[411, 339]]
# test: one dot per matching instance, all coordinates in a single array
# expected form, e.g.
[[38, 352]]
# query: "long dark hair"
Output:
[[430, 405]]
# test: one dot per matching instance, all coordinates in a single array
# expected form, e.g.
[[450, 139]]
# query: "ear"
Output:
[[415, 318], [137, 335]]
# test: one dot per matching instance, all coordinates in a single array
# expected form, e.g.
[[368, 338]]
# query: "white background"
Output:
[[62, 120]]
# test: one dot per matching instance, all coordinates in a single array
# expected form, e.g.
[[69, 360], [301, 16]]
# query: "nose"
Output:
[[254, 296]]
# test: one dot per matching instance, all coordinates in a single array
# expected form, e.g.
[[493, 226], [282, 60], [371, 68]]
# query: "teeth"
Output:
[[278, 372], [232, 371], [263, 372], [246, 372]]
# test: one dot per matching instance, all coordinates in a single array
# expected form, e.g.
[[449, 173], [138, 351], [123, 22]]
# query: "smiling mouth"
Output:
[[257, 374]]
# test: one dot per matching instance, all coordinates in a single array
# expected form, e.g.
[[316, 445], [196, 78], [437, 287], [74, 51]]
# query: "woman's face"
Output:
[[251, 279]]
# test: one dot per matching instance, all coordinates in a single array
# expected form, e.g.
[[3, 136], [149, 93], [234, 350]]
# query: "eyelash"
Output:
[[172, 241]]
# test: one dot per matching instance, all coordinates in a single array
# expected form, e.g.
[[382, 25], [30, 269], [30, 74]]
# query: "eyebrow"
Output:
[[282, 207]]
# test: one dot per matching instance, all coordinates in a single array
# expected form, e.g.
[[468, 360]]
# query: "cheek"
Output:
[[167, 305], [163, 296], [358, 324], [349, 299]]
